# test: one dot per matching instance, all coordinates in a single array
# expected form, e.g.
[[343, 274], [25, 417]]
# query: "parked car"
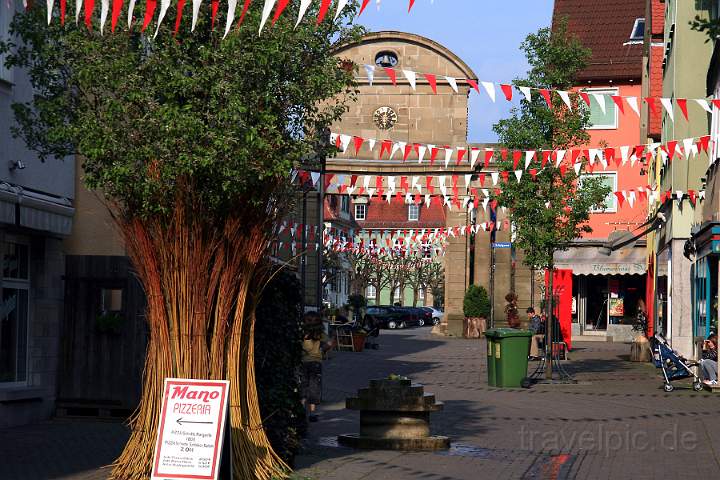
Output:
[[424, 314], [384, 317], [410, 317], [436, 314]]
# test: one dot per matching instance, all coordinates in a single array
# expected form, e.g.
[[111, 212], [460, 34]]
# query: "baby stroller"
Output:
[[673, 365]]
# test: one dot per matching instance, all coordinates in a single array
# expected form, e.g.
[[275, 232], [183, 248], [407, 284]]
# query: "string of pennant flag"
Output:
[[603, 100], [279, 6], [473, 156]]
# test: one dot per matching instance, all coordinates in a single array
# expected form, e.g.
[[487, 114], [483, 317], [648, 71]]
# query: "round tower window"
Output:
[[386, 59]]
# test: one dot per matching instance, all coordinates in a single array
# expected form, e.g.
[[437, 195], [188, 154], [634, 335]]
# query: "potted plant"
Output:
[[359, 336], [476, 308], [511, 310]]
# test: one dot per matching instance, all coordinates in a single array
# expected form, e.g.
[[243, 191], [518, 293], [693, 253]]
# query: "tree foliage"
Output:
[[476, 302], [551, 210]]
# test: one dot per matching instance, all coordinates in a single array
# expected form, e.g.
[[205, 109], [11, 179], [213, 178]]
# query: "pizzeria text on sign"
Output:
[[203, 396]]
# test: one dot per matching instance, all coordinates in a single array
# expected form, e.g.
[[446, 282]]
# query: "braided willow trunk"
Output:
[[198, 279]]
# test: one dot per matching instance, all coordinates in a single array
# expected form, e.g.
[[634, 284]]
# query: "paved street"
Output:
[[616, 423]]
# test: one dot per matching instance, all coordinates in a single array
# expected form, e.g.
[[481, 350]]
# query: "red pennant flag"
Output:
[[213, 12], [353, 180], [116, 7], [546, 95], [716, 102], [586, 154], [493, 206], [563, 169], [406, 153], [488, 157], [671, 146], [386, 145], [358, 144], [149, 12], [610, 156], [412, 2], [328, 179], [178, 17], [507, 90], [392, 74], [574, 154], [342, 188], [642, 194], [429, 185], [323, 10], [279, 9], [89, 7], [639, 149], [517, 155], [704, 143], [585, 97], [620, 198], [433, 155], [533, 172], [691, 194], [460, 155], [398, 196], [481, 178], [505, 175], [682, 103], [362, 8], [619, 102], [404, 183], [545, 157], [244, 11], [432, 80], [473, 84], [652, 103], [504, 154]]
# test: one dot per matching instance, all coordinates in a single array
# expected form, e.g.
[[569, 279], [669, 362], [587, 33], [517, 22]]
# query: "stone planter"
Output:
[[394, 415], [359, 341], [640, 350], [475, 327]]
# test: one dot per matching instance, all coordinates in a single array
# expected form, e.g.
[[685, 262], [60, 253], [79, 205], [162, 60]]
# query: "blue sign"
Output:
[[502, 245]]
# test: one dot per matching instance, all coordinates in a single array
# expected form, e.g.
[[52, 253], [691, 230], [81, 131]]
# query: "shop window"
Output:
[[705, 298], [610, 181], [14, 312], [600, 119]]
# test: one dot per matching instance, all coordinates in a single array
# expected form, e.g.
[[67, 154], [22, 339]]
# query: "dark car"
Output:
[[410, 316], [384, 317]]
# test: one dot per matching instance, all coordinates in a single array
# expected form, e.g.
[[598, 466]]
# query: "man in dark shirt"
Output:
[[537, 327]]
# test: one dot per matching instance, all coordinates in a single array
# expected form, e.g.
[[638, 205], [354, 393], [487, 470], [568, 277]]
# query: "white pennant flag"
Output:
[[366, 182], [526, 91], [391, 184], [304, 5], [474, 153], [421, 152], [631, 198], [559, 156], [104, 9], [465, 202], [195, 12], [633, 102], [701, 195], [388, 197], [678, 194], [370, 71], [518, 175], [441, 184], [78, 7], [411, 76], [547, 205], [667, 104], [594, 152], [397, 146], [529, 155], [689, 147], [486, 192], [131, 8], [341, 4], [485, 203], [315, 176], [427, 201], [416, 184], [230, 16], [704, 104], [351, 189], [371, 192], [490, 89], [577, 168], [345, 142], [164, 6], [494, 176], [468, 179], [453, 83], [625, 153], [448, 156], [600, 99], [267, 9], [371, 144], [49, 10], [565, 98]]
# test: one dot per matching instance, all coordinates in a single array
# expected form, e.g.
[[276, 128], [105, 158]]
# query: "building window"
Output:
[[14, 313], [421, 294], [609, 180], [6, 13], [413, 213], [371, 292], [386, 59], [396, 295], [345, 204], [638, 30], [360, 211], [599, 119]]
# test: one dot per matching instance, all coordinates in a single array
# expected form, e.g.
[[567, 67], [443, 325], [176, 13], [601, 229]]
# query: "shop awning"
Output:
[[591, 261]]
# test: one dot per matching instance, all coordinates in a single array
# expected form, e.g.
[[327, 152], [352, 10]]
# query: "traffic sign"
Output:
[[192, 429], [502, 245]]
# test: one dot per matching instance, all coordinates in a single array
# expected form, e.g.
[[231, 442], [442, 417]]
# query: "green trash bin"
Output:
[[510, 349], [491, 336]]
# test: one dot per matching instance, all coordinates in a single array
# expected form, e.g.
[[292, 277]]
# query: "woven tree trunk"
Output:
[[200, 281]]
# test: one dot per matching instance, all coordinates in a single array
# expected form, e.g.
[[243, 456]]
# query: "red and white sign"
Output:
[[192, 429]]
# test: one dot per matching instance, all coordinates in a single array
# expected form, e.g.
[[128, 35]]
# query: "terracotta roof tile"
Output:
[[394, 215], [605, 27], [658, 17]]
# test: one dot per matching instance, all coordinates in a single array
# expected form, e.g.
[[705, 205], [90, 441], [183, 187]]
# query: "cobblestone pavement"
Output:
[[617, 423]]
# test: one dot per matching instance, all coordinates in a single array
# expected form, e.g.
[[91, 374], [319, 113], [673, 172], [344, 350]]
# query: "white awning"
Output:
[[591, 261]]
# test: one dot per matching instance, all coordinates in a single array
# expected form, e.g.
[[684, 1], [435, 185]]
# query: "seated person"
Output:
[[537, 327], [708, 364]]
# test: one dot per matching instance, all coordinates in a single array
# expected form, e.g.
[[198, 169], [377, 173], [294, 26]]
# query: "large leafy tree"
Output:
[[191, 138], [551, 210]]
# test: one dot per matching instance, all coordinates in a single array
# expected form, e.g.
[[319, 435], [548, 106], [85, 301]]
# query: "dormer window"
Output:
[[413, 213], [386, 59], [638, 30]]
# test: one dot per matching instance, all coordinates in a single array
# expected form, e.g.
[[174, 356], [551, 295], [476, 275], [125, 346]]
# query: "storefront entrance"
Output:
[[604, 300]]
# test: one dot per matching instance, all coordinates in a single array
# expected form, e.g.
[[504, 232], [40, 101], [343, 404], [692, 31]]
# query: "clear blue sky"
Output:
[[486, 34]]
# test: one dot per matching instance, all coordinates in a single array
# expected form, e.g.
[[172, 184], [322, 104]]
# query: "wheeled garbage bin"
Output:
[[509, 359]]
